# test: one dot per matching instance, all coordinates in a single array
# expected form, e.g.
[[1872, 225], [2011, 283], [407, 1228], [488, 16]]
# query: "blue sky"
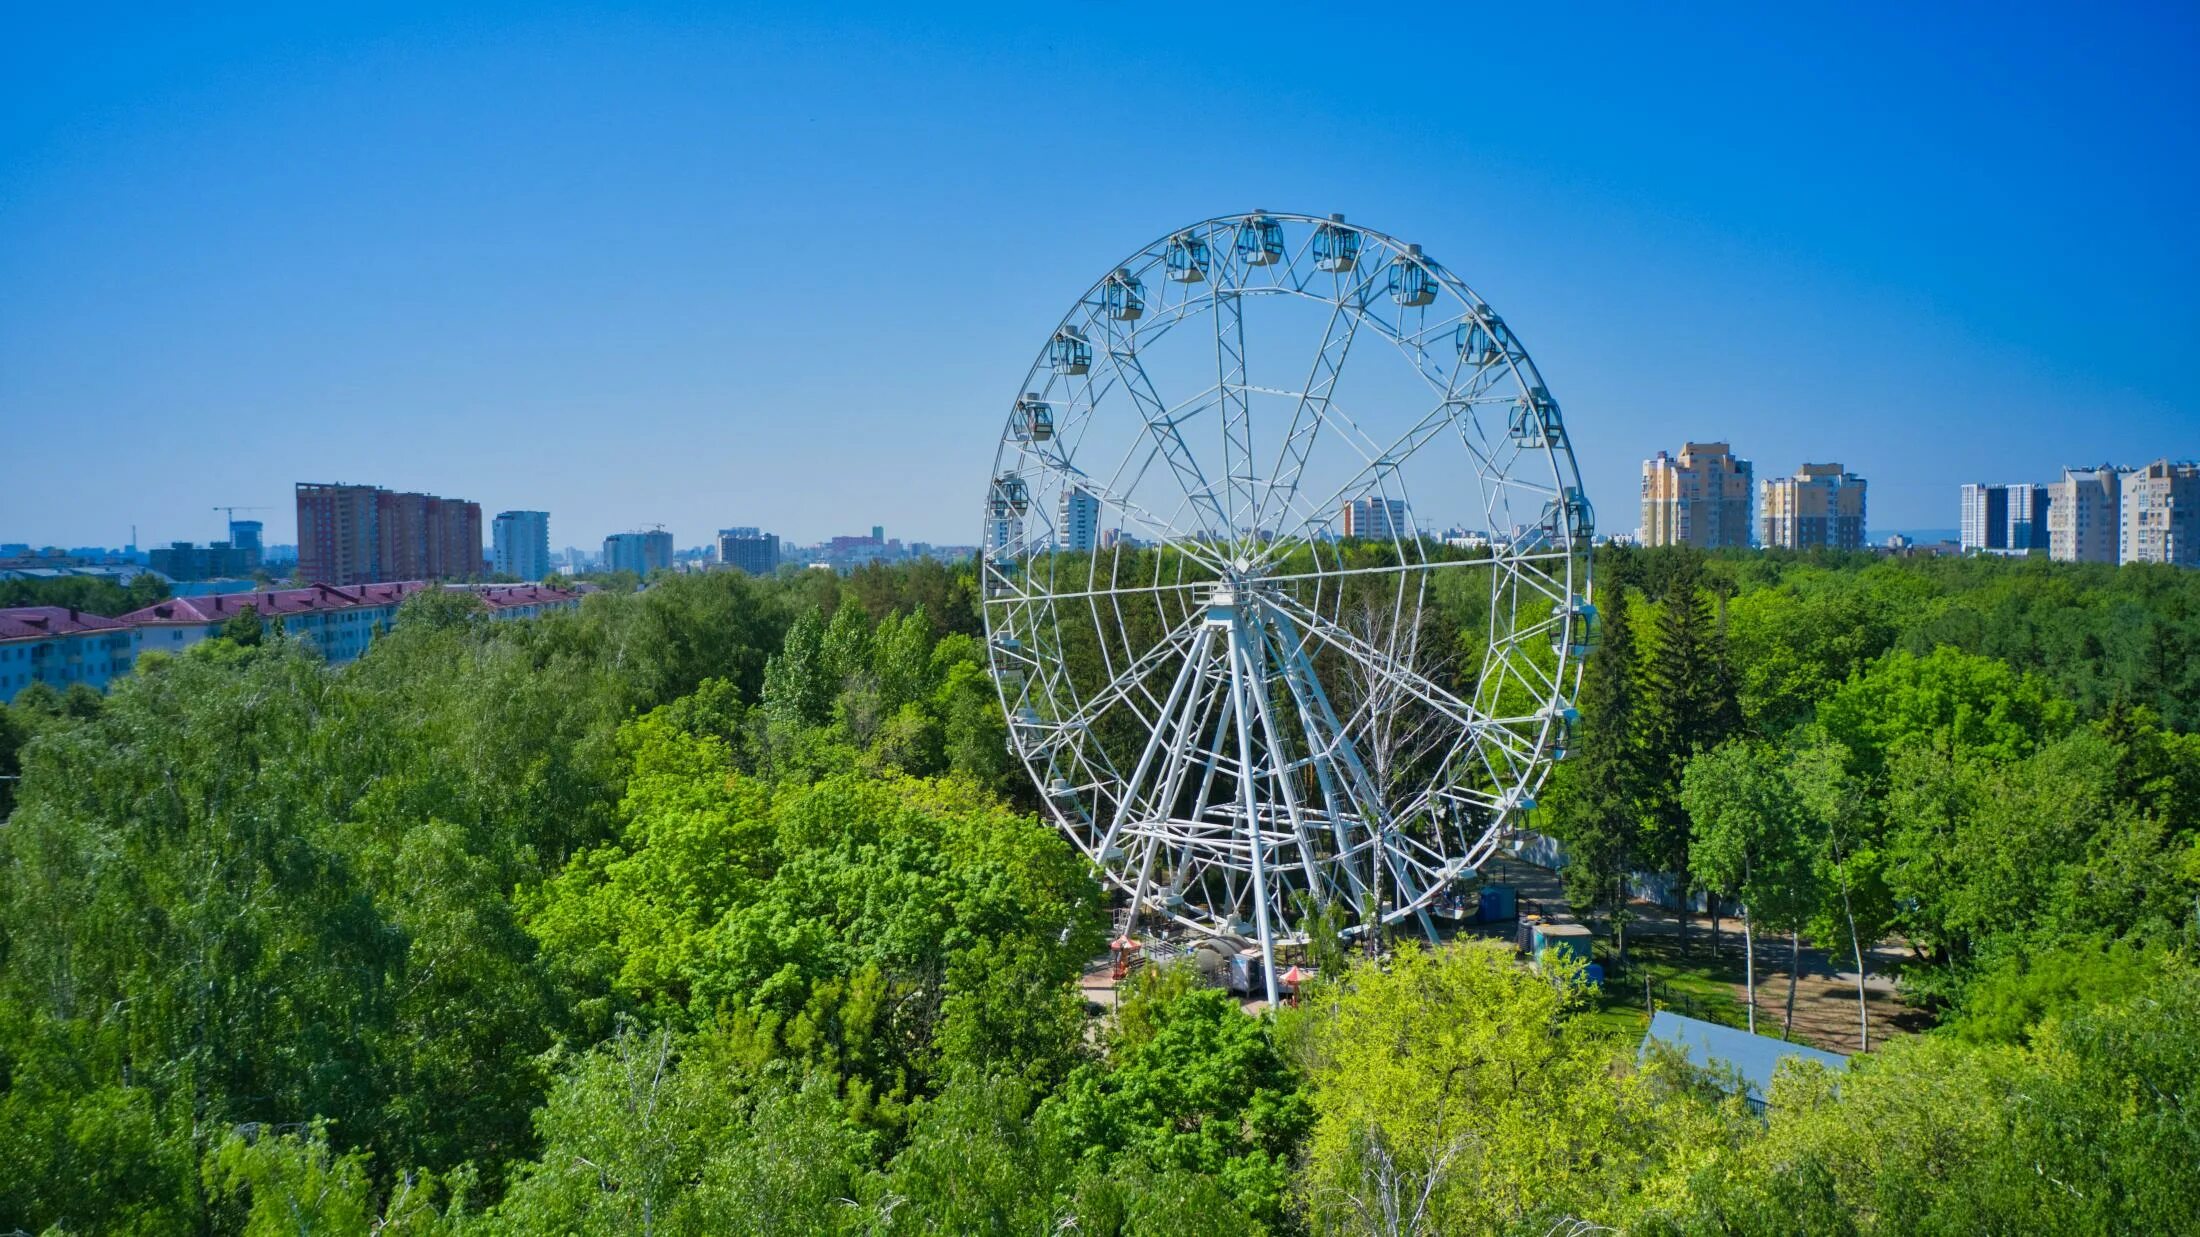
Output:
[[699, 267]]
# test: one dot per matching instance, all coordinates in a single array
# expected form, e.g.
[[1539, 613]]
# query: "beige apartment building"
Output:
[[1702, 498], [2083, 521], [1820, 507], [2159, 515]]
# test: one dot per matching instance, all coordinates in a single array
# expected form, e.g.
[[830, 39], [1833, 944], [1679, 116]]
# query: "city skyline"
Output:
[[662, 276]]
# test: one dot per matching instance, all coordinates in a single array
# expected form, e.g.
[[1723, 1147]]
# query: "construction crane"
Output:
[[231, 513]]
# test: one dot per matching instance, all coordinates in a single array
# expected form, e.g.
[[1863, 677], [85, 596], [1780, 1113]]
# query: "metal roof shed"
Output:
[[1754, 1057]]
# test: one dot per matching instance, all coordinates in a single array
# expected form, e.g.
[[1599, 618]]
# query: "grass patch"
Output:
[[1693, 985]]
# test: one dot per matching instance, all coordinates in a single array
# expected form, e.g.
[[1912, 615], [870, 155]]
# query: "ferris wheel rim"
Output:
[[1517, 364]]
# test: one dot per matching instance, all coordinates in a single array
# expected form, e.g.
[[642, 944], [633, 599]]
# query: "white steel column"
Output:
[[1248, 799]]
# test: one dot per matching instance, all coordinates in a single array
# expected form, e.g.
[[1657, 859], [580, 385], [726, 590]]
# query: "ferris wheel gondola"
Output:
[[1250, 681]]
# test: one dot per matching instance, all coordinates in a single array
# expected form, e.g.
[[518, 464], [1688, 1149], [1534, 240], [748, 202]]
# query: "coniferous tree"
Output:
[[1599, 807], [1688, 705]]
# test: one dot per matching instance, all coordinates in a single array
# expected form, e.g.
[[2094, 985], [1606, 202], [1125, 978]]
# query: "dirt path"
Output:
[[1825, 992]]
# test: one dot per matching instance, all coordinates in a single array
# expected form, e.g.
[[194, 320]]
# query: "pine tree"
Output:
[[1599, 805], [1689, 705]]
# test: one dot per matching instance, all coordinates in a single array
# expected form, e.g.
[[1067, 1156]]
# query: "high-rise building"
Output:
[[400, 535], [2028, 506], [337, 539], [749, 549], [1376, 519], [640, 553], [1701, 498], [1985, 517], [360, 534], [1820, 507], [2004, 519], [454, 539], [216, 560], [2082, 515], [2160, 515], [244, 536], [1077, 524], [521, 544]]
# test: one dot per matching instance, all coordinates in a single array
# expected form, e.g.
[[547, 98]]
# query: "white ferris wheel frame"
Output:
[[1231, 685]]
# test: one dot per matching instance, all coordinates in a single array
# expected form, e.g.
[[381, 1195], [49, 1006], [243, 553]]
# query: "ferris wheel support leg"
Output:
[[1244, 730], [1156, 741], [1319, 747], [1346, 759], [1206, 789], [1198, 699], [1256, 652]]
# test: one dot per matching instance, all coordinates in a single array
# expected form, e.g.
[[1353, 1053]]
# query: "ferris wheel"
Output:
[[1285, 579]]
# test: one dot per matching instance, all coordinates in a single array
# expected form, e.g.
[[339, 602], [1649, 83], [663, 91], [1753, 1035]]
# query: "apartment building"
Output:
[[1820, 507], [2084, 521], [1374, 519], [2158, 514], [520, 544], [1702, 497], [62, 647]]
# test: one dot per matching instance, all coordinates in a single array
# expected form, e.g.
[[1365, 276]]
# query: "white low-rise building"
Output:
[[340, 622], [61, 647]]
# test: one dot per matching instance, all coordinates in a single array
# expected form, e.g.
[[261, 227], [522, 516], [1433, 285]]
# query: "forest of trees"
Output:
[[715, 907]]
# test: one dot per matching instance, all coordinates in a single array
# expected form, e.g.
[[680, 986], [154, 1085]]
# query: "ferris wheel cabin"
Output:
[[1535, 420], [1260, 241], [1071, 353], [1186, 259], [1411, 282], [1123, 297], [1478, 343], [1034, 418], [1336, 247], [1011, 497]]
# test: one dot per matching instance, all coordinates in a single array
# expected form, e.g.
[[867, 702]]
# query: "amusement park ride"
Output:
[[1210, 604]]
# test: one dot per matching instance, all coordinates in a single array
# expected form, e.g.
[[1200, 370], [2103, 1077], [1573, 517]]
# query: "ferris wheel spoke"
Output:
[[1170, 701], [1381, 664], [1280, 767], [1312, 408], [1169, 441], [1164, 740], [1123, 686], [1368, 478], [1338, 773], [1236, 407]]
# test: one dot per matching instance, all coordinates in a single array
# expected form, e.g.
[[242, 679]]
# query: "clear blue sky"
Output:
[[663, 264]]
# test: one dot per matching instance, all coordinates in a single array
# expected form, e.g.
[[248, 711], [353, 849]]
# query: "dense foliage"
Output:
[[91, 594], [713, 907]]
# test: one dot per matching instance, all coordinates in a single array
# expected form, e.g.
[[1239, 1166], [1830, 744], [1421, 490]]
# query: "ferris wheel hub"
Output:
[[1212, 610]]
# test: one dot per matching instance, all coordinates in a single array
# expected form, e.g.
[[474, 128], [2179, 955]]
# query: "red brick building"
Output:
[[361, 534]]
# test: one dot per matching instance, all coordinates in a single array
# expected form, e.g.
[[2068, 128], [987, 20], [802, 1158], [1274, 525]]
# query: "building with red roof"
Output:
[[341, 622], [62, 647]]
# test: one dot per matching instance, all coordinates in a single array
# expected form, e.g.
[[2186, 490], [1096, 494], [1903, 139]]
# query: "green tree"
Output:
[[1202, 1088], [1457, 1090], [1952, 701], [886, 930], [1750, 840], [1688, 706], [799, 684], [1838, 811], [1600, 793], [245, 627]]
